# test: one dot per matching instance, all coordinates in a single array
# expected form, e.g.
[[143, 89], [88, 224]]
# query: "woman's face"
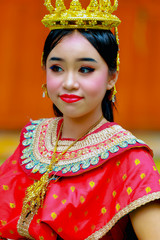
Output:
[[77, 77]]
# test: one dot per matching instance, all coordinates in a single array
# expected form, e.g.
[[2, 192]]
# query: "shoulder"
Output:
[[138, 163], [33, 124], [39, 125], [119, 141], [125, 149], [35, 143]]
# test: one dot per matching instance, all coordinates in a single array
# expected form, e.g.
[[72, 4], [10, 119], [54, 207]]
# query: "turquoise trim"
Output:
[[30, 161]]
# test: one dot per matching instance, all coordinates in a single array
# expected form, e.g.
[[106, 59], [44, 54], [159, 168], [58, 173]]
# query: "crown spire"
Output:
[[60, 6], [105, 5], [49, 6], [75, 5], [93, 6]]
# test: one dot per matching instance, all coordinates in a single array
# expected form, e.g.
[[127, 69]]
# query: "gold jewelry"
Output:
[[118, 58], [42, 59], [98, 15], [45, 92], [35, 193], [114, 91]]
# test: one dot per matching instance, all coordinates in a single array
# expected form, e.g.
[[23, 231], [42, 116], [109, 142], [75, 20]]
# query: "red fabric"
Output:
[[76, 207]]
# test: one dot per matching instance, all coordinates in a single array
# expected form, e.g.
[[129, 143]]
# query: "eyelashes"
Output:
[[56, 68], [84, 70]]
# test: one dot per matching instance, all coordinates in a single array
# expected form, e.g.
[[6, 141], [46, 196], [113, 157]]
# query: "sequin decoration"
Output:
[[36, 155]]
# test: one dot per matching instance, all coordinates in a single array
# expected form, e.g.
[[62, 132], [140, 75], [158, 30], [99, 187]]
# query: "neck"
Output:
[[75, 127]]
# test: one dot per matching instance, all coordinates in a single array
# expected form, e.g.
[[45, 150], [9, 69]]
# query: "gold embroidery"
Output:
[[143, 175], [108, 180], [38, 221], [70, 214], [154, 168], [41, 238], [54, 215], [118, 207], [76, 229], [93, 227], [23, 225], [64, 201], [132, 206], [82, 199], [103, 210], [83, 149], [86, 213], [148, 189], [5, 187], [3, 222], [12, 205], [137, 162], [60, 230], [53, 128], [55, 196], [114, 194], [73, 188], [129, 190], [11, 231], [124, 177], [118, 163], [92, 184], [14, 162]]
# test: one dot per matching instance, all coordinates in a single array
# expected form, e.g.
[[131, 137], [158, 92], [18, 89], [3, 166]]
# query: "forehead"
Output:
[[74, 37], [75, 44]]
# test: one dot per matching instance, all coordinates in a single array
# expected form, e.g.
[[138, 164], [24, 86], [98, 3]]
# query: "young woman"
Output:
[[86, 177]]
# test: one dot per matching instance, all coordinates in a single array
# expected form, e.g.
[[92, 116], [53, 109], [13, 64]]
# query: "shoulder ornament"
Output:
[[90, 152]]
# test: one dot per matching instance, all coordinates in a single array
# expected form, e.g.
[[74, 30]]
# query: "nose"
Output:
[[70, 82]]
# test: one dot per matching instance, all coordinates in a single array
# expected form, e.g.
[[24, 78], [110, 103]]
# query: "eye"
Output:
[[56, 68], [86, 70]]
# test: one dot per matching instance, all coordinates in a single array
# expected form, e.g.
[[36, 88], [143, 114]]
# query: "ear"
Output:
[[112, 79]]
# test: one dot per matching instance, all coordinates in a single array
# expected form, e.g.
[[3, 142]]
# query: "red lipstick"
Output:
[[70, 98]]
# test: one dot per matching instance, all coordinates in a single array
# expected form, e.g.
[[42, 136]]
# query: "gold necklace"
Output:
[[55, 158], [35, 193]]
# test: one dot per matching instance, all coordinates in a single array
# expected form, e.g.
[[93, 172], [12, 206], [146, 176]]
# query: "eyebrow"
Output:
[[56, 59], [78, 59], [86, 60]]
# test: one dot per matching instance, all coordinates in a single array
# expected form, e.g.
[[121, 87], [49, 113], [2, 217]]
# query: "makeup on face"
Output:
[[70, 98], [77, 77]]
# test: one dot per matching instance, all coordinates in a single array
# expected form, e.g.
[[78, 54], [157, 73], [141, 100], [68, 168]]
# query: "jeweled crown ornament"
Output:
[[98, 15]]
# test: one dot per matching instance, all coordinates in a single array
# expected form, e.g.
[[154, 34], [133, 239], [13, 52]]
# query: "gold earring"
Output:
[[42, 60], [45, 92], [113, 96]]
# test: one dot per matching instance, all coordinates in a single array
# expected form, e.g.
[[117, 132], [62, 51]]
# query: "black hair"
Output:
[[106, 45]]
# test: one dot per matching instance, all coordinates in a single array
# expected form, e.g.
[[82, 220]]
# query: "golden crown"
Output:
[[98, 15]]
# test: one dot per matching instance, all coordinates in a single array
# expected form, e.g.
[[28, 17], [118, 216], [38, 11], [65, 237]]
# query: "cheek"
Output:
[[98, 84], [52, 83]]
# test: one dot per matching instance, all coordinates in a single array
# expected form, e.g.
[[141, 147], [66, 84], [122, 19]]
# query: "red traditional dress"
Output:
[[103, 177]]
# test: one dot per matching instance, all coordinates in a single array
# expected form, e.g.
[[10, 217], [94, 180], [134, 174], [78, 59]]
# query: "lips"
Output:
[[70, 98]]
